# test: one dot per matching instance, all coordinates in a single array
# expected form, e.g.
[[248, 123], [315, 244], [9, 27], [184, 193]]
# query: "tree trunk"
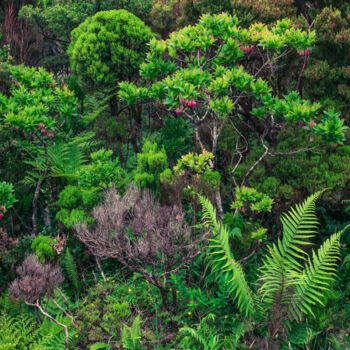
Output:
[[164, 294], [16, 32], [220, 210], [113, 105], [35, 207], [174, 297], [136, 128]]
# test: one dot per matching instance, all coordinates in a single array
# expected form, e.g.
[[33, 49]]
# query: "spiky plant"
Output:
[[292, 282]]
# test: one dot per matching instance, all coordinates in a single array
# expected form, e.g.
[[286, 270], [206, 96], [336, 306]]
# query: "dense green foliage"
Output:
[[174, 174], [108, 47]]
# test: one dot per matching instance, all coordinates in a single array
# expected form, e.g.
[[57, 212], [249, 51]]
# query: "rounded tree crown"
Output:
[[108, 47]]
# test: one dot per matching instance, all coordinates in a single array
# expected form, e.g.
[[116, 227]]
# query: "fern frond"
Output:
[[9, 333], [71, 269], [282, 265], [299, 225], [66, 160], [316, 277], [131, 336], [222, 262], [194, 334]]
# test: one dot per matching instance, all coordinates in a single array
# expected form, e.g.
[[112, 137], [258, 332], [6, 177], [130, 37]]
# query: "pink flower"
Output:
[[304, 53], [311, 124], [300, 124], [181, 99], [2, 208], [193, 103], [246, 49], [41, 126], [50, 134], [179, 110], [43, 131], [157, 104], [1, 216]]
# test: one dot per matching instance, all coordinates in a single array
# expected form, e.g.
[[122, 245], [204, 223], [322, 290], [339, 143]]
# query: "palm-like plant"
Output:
[[292, 282]]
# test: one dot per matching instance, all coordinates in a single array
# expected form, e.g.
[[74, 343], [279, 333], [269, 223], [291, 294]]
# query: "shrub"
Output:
[[108, 47]]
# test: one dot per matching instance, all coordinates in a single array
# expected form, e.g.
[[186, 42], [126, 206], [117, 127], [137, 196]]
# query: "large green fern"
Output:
[[220, 258], [19, 330], [66, 159], [299, 226], [316, 277], [291, 282]]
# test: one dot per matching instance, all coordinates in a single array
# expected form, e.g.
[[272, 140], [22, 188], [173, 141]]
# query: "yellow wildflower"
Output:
[[130, 290]]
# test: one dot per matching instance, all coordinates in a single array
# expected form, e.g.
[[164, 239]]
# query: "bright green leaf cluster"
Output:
[[43, 248], [257, 201], [151, 162], [108, 47], [37, 105], [102, 172], [75, 201], [7, 197]]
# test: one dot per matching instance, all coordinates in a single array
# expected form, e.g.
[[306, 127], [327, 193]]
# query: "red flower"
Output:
[[300, 124], [1, 216], [242, 209], [304, 53], [179, 110], [193, 103], [181, 99], [246, 49]]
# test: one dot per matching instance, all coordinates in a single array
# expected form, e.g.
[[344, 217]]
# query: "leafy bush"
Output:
[[108, 47], [42, 246]]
